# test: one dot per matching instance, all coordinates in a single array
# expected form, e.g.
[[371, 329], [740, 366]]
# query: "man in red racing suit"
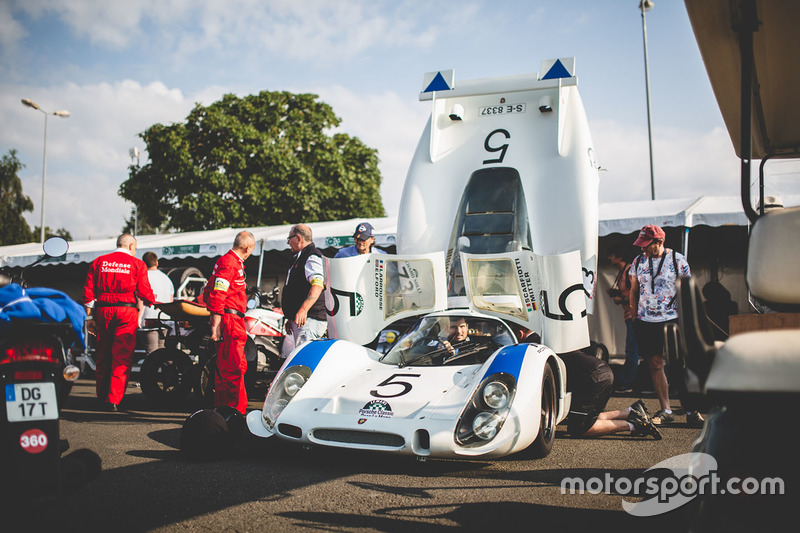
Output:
[[113, 283], [225, 295]]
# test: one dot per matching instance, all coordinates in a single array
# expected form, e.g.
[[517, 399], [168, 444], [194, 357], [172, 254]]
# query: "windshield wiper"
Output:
[[465, 352], [434, 353]]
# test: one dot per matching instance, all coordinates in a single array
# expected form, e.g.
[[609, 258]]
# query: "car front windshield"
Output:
[[449, 340]]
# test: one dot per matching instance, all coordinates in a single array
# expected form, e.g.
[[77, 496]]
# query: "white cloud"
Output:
[[11, 31], [385, 121], [307, 30], [686, 162], [109, 23], [107, 117], [322, 31], [87, 153]]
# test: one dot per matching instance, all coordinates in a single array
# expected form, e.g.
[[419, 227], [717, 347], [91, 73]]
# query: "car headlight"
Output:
[[496, 395], [277, 408], [486, 425], [484, 415], [283, 389], [293, 383]]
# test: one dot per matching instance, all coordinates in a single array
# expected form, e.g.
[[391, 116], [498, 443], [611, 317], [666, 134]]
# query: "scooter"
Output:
[[39, 329]]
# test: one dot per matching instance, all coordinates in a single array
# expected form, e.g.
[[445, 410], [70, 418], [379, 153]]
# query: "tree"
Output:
[[260, 160], [50, 232], [13, 227], [136, 226]]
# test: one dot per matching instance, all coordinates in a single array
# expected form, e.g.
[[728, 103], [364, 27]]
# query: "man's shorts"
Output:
[[590, 380], [650, 337]]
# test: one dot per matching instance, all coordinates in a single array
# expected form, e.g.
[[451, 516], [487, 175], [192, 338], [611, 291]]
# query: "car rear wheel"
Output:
[[543, 444]]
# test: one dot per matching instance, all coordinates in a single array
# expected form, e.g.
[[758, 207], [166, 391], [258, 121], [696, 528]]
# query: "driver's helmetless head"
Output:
[[458, 329]]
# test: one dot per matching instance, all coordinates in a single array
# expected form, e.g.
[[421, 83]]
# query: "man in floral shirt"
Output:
[[654, 276]]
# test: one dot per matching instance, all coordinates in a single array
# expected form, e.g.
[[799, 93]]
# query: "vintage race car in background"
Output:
[[430, 395]]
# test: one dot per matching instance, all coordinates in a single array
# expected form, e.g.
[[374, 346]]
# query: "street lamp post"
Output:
[[64, 114], [644, 6], [134, 153]]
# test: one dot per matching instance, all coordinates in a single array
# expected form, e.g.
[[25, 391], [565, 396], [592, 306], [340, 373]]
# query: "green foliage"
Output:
[[13, 227], [259, 160], [50, 232], [136, 226]]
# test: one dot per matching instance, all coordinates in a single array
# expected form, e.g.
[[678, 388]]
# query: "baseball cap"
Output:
[[363, 231], [648, 234]]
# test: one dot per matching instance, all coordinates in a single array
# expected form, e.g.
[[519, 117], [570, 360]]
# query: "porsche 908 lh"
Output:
[[435, 393]]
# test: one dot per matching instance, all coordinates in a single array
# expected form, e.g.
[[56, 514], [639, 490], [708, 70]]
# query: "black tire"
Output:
[[194, 288], [543, 444], [206, 384], [166, 376]]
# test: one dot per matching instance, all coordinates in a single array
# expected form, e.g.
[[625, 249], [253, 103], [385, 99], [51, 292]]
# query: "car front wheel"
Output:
[[543, 444]]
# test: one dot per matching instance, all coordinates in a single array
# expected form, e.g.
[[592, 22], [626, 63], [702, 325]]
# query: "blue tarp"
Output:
[[40, 303]]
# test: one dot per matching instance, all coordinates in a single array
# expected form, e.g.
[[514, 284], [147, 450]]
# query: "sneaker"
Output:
[[661, 418], [622, 389], [642, 425], [640, 407], [694, 419]]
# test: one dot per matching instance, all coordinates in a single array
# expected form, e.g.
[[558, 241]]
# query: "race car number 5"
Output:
[[33, 441], [391, 381]]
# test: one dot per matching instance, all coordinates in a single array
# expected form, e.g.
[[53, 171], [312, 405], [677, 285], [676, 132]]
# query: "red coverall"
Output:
[[226, 294], [114, 281]]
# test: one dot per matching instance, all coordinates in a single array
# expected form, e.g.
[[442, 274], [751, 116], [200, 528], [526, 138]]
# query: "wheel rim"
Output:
[[169, 376]]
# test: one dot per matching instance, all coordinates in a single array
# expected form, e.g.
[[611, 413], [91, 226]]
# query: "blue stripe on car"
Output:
[[311, 354], [508, 360]]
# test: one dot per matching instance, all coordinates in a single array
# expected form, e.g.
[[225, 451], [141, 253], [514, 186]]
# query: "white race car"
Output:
[[498, 224], [436, 393]]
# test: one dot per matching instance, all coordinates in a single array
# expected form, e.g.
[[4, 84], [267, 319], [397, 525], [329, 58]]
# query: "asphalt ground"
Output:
[[147, 484]]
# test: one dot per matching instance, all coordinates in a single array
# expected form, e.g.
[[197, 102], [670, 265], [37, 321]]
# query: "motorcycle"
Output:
[[189, 361], [169, 374], [264, 323], [39, 330]]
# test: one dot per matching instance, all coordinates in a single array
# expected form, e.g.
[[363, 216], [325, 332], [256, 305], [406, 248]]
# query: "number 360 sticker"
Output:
[[33, 441]]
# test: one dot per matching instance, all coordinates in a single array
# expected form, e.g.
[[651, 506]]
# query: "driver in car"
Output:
[[459, 333]]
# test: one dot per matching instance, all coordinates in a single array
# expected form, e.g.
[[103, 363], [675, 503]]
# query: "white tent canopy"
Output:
[[614, 217], [209, 243], [715, 211]]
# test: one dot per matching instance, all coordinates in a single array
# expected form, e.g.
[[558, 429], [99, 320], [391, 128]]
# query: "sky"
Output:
[[119, 67]]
